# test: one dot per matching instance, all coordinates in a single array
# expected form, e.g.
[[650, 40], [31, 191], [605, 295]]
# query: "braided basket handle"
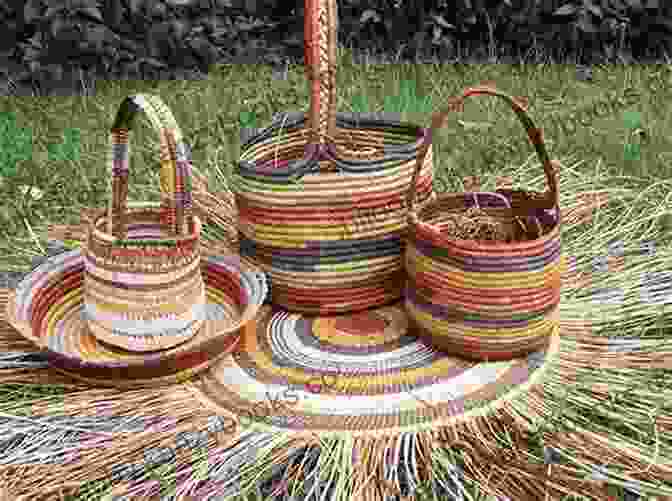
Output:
[[320, 42], [521, 204], [176, 200]]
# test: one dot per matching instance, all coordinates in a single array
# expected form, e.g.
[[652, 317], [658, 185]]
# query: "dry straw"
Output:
[[483, 268], [302, 183], [564, 428]]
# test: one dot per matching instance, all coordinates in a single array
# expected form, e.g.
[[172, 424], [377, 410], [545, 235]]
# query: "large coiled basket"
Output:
[[487, 299], [321, 196]]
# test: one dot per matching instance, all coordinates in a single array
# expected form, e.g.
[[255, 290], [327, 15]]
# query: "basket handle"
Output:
[[320, 42], [176, 202], [522, 203]]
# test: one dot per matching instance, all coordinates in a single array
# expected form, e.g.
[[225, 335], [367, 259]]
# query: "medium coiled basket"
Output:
[[486, 299], [321, 196]]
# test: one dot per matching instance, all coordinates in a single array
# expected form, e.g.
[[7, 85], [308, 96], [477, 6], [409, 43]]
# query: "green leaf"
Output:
[[474, 126], [67, 150], [72, 244], [425, 105], [392, 104], [407, 88], [632, 119], [15, 144], [632, 152], [359, 103], [248, 119]]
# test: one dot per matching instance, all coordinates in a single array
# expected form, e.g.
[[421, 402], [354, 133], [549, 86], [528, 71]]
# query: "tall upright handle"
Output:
[[175, 166], [320, 43]]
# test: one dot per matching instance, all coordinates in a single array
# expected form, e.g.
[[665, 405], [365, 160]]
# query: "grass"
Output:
[[588, 125]]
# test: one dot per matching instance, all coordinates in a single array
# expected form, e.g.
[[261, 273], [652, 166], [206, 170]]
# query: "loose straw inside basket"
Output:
[[476, 223]]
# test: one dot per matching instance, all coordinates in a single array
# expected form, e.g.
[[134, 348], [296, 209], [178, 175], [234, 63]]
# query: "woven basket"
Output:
[[321, 195], [143, 285], [486, 299]]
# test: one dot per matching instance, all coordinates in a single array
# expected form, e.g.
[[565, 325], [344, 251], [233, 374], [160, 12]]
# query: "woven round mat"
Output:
[[55, 292], [357, 372]]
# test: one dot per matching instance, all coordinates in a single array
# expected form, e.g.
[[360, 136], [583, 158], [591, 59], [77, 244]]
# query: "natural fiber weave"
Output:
[[345, 371], [143, 288], [321, 195], [559, 433], [47, 308], [486, 289]]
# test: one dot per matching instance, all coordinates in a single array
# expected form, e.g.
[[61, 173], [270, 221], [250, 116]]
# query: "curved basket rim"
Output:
[[332, 152], [247, 313], [110, 239]]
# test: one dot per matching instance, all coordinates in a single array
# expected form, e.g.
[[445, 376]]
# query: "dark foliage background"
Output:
[[52, 46]]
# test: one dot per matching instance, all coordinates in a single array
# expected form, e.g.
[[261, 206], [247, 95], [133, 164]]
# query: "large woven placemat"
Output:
[[359, 372]]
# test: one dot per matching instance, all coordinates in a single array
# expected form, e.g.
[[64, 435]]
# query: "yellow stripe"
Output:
[[531, 330], [322, 233], [300, 243], [486, 280], [297, 376], [167, 177], [64, 305]]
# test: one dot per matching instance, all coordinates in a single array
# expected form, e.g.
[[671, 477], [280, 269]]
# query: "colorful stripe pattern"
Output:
[[331, 242], [143, 284], [151, 303], [48, 308], [361, 372], [322, 177], [175, 164], [486, 300], [493, 306]]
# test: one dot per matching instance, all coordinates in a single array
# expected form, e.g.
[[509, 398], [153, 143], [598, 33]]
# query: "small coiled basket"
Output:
[[486, 299], [143, 288]]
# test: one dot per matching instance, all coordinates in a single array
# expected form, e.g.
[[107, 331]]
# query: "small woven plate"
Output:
[[47, 308]]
